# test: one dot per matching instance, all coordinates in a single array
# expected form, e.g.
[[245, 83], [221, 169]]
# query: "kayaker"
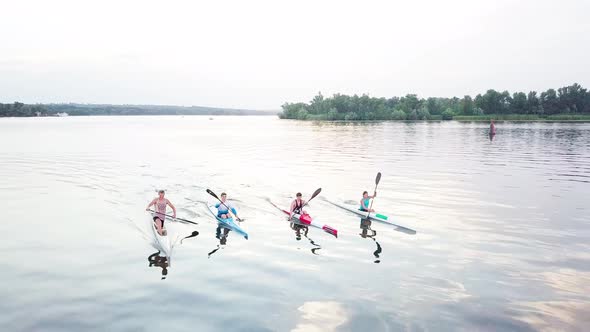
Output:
[[297, 206], [222, 209], [366, 201], [160, 204]]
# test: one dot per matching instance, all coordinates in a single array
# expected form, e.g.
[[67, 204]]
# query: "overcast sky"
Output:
[[260, 54]]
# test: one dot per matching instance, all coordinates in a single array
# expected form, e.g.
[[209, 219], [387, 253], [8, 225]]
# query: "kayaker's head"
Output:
[[298, 196], [365, 194], [223, 197], [161, 193]]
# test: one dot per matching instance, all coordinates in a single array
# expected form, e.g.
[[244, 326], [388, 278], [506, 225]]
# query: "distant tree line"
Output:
[[18, 109], [567, 100]]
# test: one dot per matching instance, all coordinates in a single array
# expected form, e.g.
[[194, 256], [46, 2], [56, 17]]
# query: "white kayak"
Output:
[[162, 241], [373, 216]]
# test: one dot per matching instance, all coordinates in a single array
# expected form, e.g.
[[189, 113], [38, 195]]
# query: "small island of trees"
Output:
[[567, 103]]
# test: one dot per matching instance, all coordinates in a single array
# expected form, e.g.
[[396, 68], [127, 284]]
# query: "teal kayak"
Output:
[[228, 223]]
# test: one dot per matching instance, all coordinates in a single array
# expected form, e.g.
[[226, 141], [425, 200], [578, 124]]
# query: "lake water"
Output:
[[501, 243]]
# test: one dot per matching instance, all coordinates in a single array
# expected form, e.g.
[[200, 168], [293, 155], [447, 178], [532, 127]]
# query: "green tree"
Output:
[[302, 114], [550, 102], [423, 113], [533, 103], [448, 114], [434, 106], [519, 103], [398, 115], [467, 105]]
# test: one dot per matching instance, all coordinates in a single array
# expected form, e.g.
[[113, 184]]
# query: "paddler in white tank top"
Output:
[[160, 204]]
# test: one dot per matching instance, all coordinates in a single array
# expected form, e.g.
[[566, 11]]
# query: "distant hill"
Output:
[[20, 109]]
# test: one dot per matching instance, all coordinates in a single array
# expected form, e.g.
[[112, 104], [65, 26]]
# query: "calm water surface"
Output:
[[502, 227]]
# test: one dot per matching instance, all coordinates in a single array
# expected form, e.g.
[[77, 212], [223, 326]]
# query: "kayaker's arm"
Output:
[[291, 209], [153, 202], [173, 208]]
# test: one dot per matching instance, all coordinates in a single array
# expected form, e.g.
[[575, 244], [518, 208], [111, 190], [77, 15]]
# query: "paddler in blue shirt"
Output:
[[222, 209], [366, 201]]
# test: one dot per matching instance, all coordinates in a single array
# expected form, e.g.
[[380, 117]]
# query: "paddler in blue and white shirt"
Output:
[[222, 209]]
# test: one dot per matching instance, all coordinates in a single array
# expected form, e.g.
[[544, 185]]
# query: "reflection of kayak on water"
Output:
[[365, 228], [156, 260]]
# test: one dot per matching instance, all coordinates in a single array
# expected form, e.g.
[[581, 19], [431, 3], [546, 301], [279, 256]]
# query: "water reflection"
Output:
[[504, 227], [159, 262], [298, 228], [221, 233], [193, 234], [368, 233]]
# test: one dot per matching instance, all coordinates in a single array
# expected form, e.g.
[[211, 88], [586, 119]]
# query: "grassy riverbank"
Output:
[[476, 118], [525, 117]]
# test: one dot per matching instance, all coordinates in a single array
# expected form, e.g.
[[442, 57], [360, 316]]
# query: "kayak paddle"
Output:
[[220, 201], [169, 216], [377, 179], [317, 192]]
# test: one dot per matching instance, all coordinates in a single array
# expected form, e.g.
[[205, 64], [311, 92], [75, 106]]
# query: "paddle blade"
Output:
[[330, 230], [317, 192], [378, 178], [212, 193]]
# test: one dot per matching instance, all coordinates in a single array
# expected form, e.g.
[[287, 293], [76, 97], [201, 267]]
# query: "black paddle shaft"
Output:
[[377, 179], [167, 215]]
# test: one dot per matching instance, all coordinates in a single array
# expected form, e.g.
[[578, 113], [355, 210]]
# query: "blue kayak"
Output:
[[228, 223]]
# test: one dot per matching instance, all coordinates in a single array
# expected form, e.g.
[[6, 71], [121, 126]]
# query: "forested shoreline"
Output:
[[566, 103], [18, 109]]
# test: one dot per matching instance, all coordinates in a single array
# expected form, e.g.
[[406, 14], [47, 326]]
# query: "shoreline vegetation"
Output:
[[18, 109], [570, 103]]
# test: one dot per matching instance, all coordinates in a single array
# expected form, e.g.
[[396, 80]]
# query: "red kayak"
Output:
[[307, 220]]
